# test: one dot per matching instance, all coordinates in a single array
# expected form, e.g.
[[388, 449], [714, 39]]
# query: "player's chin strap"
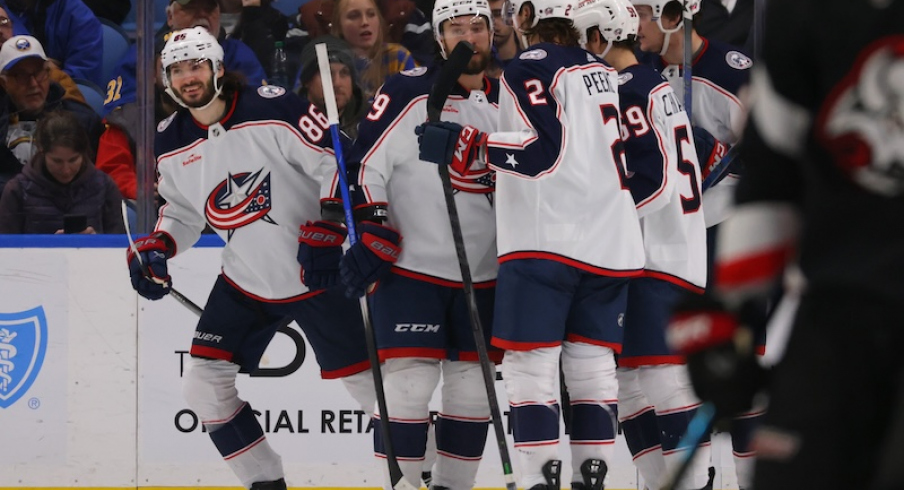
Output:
[[668, 33]]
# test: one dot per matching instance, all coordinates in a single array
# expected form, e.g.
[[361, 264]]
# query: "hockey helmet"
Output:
[[444, 10], [616, 19], [194, 43]]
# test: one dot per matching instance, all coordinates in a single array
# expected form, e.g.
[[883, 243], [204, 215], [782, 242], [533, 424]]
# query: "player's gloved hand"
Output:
[[370, 258], [449, 143], [147, 268], [720, 352], [319, 253], [709, 151]]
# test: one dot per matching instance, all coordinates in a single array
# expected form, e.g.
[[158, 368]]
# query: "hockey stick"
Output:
[[448, 76], [721, 167], [688, 63], [332, 113], [197, 310], [697, 429]]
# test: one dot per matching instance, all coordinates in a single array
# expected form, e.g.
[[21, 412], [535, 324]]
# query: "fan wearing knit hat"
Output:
[[349, 98]]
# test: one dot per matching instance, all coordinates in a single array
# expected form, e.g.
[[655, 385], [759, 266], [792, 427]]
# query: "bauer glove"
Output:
[[370, 258], [720, 352], [449, 143], [147, 267], [319, 253]]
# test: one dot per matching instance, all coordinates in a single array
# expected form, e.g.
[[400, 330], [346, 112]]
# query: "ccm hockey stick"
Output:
[[332, 113], [197, 310], [688, 62], [448, 76]]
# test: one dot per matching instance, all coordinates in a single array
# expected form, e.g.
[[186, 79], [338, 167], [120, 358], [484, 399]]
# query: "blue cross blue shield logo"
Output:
[[23, 343]]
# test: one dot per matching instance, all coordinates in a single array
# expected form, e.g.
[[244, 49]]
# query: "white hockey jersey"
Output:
[[664, 177], [719, 72], [254, 177], [561, 187], [385, 165]]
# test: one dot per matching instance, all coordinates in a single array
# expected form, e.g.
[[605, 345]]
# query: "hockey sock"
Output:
[[459, 448], [673, 424], [742, 428], [409, 439], [641, 431], [592, 435], [429, 457], [530, 382], [589, 372], [242, 444]]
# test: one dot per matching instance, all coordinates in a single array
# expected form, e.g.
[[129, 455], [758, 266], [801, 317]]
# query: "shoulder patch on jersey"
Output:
[[162, 125], [270, 91], [624, 78], [534, 54], [415, 72], [738, 60]]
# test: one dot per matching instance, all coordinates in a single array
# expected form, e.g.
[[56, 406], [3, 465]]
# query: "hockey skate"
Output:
[[593, 472], [270, 485], [552, 471]]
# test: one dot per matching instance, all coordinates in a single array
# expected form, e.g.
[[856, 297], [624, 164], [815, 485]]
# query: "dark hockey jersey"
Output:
[[827, 133]]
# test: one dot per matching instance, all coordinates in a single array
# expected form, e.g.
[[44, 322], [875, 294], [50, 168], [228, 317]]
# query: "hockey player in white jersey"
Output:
[[569, 239], [719, 72], [249, 163], [655, 398], [418, 306]]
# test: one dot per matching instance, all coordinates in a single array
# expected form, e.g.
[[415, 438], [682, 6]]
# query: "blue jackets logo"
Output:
[[23, 343]]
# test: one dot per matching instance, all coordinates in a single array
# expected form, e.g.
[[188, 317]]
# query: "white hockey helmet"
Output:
[[194, 43], [446, 9], [617, 20]]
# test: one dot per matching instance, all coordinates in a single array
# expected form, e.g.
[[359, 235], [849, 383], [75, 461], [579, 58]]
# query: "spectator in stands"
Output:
[[316, 17], [69, 31], [56, 75], [29, 95], [408, 26], [255, 23], [115, 11], [361, 25], [60, 180], [349, 98], [506, 44]]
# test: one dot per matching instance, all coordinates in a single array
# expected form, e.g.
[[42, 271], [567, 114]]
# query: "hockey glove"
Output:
[[147, 268], [319, 253], [370, 258], [450, 143], [709, 151], [720, 353]]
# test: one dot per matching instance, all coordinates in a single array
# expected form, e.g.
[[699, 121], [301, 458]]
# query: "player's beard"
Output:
[[206, 96], [478, 65]]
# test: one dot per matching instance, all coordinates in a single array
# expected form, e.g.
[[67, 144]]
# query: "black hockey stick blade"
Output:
[[448, 76]]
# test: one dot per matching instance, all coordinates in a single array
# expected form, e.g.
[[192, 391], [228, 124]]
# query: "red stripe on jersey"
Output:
[[665, 276], [495, 356], [522, 346], [440, 281], [615, 346], [638, 361], [346, 371], [601, 271], [309, 294]]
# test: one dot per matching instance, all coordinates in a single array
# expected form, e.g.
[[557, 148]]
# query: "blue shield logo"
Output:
[[23, 343]]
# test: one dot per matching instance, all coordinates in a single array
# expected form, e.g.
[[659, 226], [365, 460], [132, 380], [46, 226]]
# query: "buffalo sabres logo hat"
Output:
[[17, 48]]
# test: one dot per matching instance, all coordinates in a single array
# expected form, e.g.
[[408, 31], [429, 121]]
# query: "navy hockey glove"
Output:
[[150, 276], [319, 253], [709, 151], [370, 258], [449, 143], [720, 352]]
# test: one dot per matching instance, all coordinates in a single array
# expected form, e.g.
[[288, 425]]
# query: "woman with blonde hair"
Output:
[[361, 25]]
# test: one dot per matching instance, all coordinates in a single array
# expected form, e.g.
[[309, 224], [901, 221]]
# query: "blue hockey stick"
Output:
[[332, 113]]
